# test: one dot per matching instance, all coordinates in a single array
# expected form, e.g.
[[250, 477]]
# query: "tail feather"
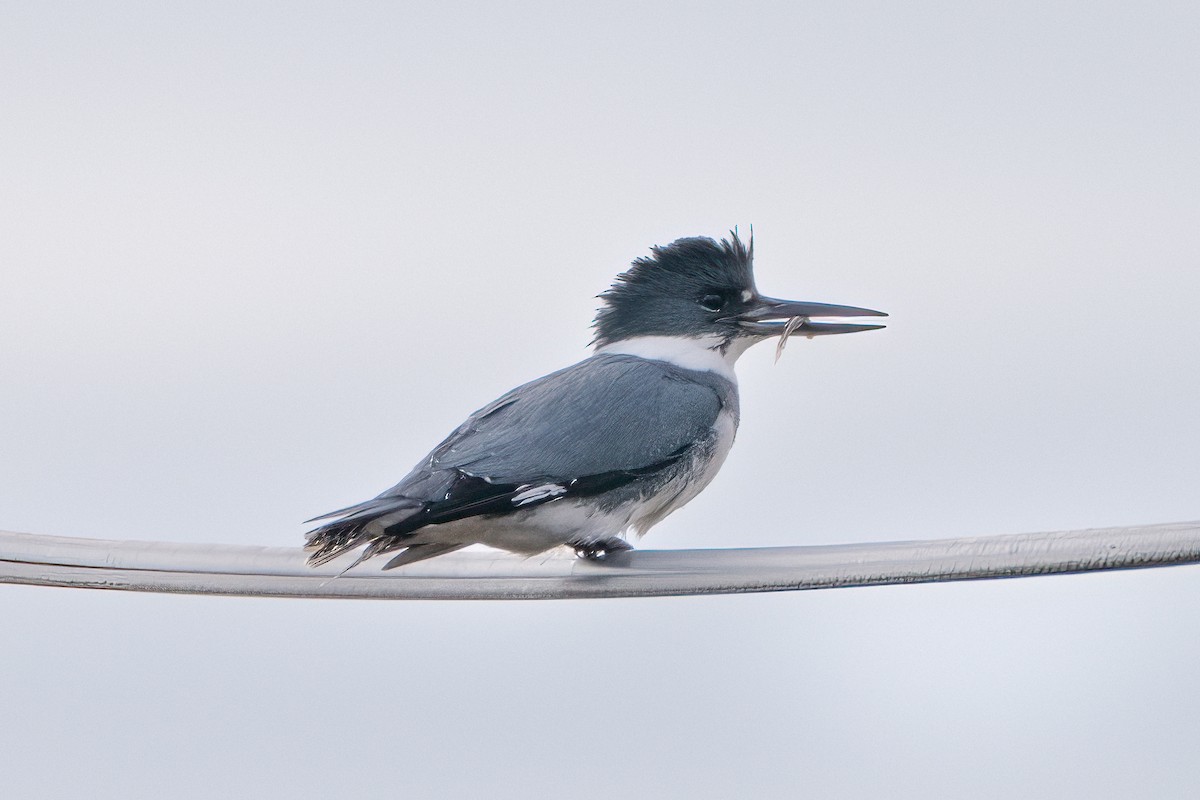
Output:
[[341, 512], [365, 523], [420, 552]]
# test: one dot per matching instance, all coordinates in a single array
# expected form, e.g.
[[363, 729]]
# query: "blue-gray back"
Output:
[[606, 413]]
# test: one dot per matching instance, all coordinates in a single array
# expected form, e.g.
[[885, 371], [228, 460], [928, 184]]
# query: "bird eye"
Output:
[[712, 302]]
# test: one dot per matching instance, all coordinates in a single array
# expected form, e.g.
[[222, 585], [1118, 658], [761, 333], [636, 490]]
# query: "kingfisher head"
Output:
[[703, 290]]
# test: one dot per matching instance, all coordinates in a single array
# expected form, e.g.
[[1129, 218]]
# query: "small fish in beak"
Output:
[[792, 324]]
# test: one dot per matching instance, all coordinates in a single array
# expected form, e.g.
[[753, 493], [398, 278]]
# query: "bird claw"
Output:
[[601, 549]]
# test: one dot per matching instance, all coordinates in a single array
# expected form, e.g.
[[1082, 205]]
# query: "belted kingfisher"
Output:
[[612, 444]]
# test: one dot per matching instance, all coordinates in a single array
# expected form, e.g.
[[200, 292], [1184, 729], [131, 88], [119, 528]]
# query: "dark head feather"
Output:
[[659, 294]]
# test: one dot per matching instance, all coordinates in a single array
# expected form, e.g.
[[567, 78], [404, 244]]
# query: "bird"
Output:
[[609, 446]]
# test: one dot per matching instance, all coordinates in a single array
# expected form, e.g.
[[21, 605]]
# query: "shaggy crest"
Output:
[[657, 291]]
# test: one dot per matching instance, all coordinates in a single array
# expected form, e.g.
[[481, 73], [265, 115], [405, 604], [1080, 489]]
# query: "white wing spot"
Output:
[[532, 494]]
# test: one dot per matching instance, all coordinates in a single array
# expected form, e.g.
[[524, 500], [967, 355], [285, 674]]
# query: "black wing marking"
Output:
[[473, 496]]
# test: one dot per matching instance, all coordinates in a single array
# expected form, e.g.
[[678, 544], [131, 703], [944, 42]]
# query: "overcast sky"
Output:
[[255, 260]]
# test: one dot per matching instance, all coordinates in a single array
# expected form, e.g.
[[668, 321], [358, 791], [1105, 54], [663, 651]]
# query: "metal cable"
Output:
[[281, 572]]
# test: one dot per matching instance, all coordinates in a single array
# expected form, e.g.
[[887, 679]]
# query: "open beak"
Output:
[[770, 317]]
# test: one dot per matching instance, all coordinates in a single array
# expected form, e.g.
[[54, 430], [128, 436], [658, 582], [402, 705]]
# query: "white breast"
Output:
[[682, 490]]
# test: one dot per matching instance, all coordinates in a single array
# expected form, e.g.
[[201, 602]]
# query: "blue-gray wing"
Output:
[[607, 414]]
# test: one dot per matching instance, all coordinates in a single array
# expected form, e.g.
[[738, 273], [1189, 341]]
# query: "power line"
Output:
[[491, 575]]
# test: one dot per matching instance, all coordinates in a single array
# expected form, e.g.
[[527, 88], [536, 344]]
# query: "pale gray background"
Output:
[[256, 259]]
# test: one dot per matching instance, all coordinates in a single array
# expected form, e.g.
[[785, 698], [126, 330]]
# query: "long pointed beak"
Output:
[[770, 317]]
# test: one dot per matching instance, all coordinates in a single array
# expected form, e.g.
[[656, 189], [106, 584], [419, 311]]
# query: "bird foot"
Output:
[[601, 549]]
